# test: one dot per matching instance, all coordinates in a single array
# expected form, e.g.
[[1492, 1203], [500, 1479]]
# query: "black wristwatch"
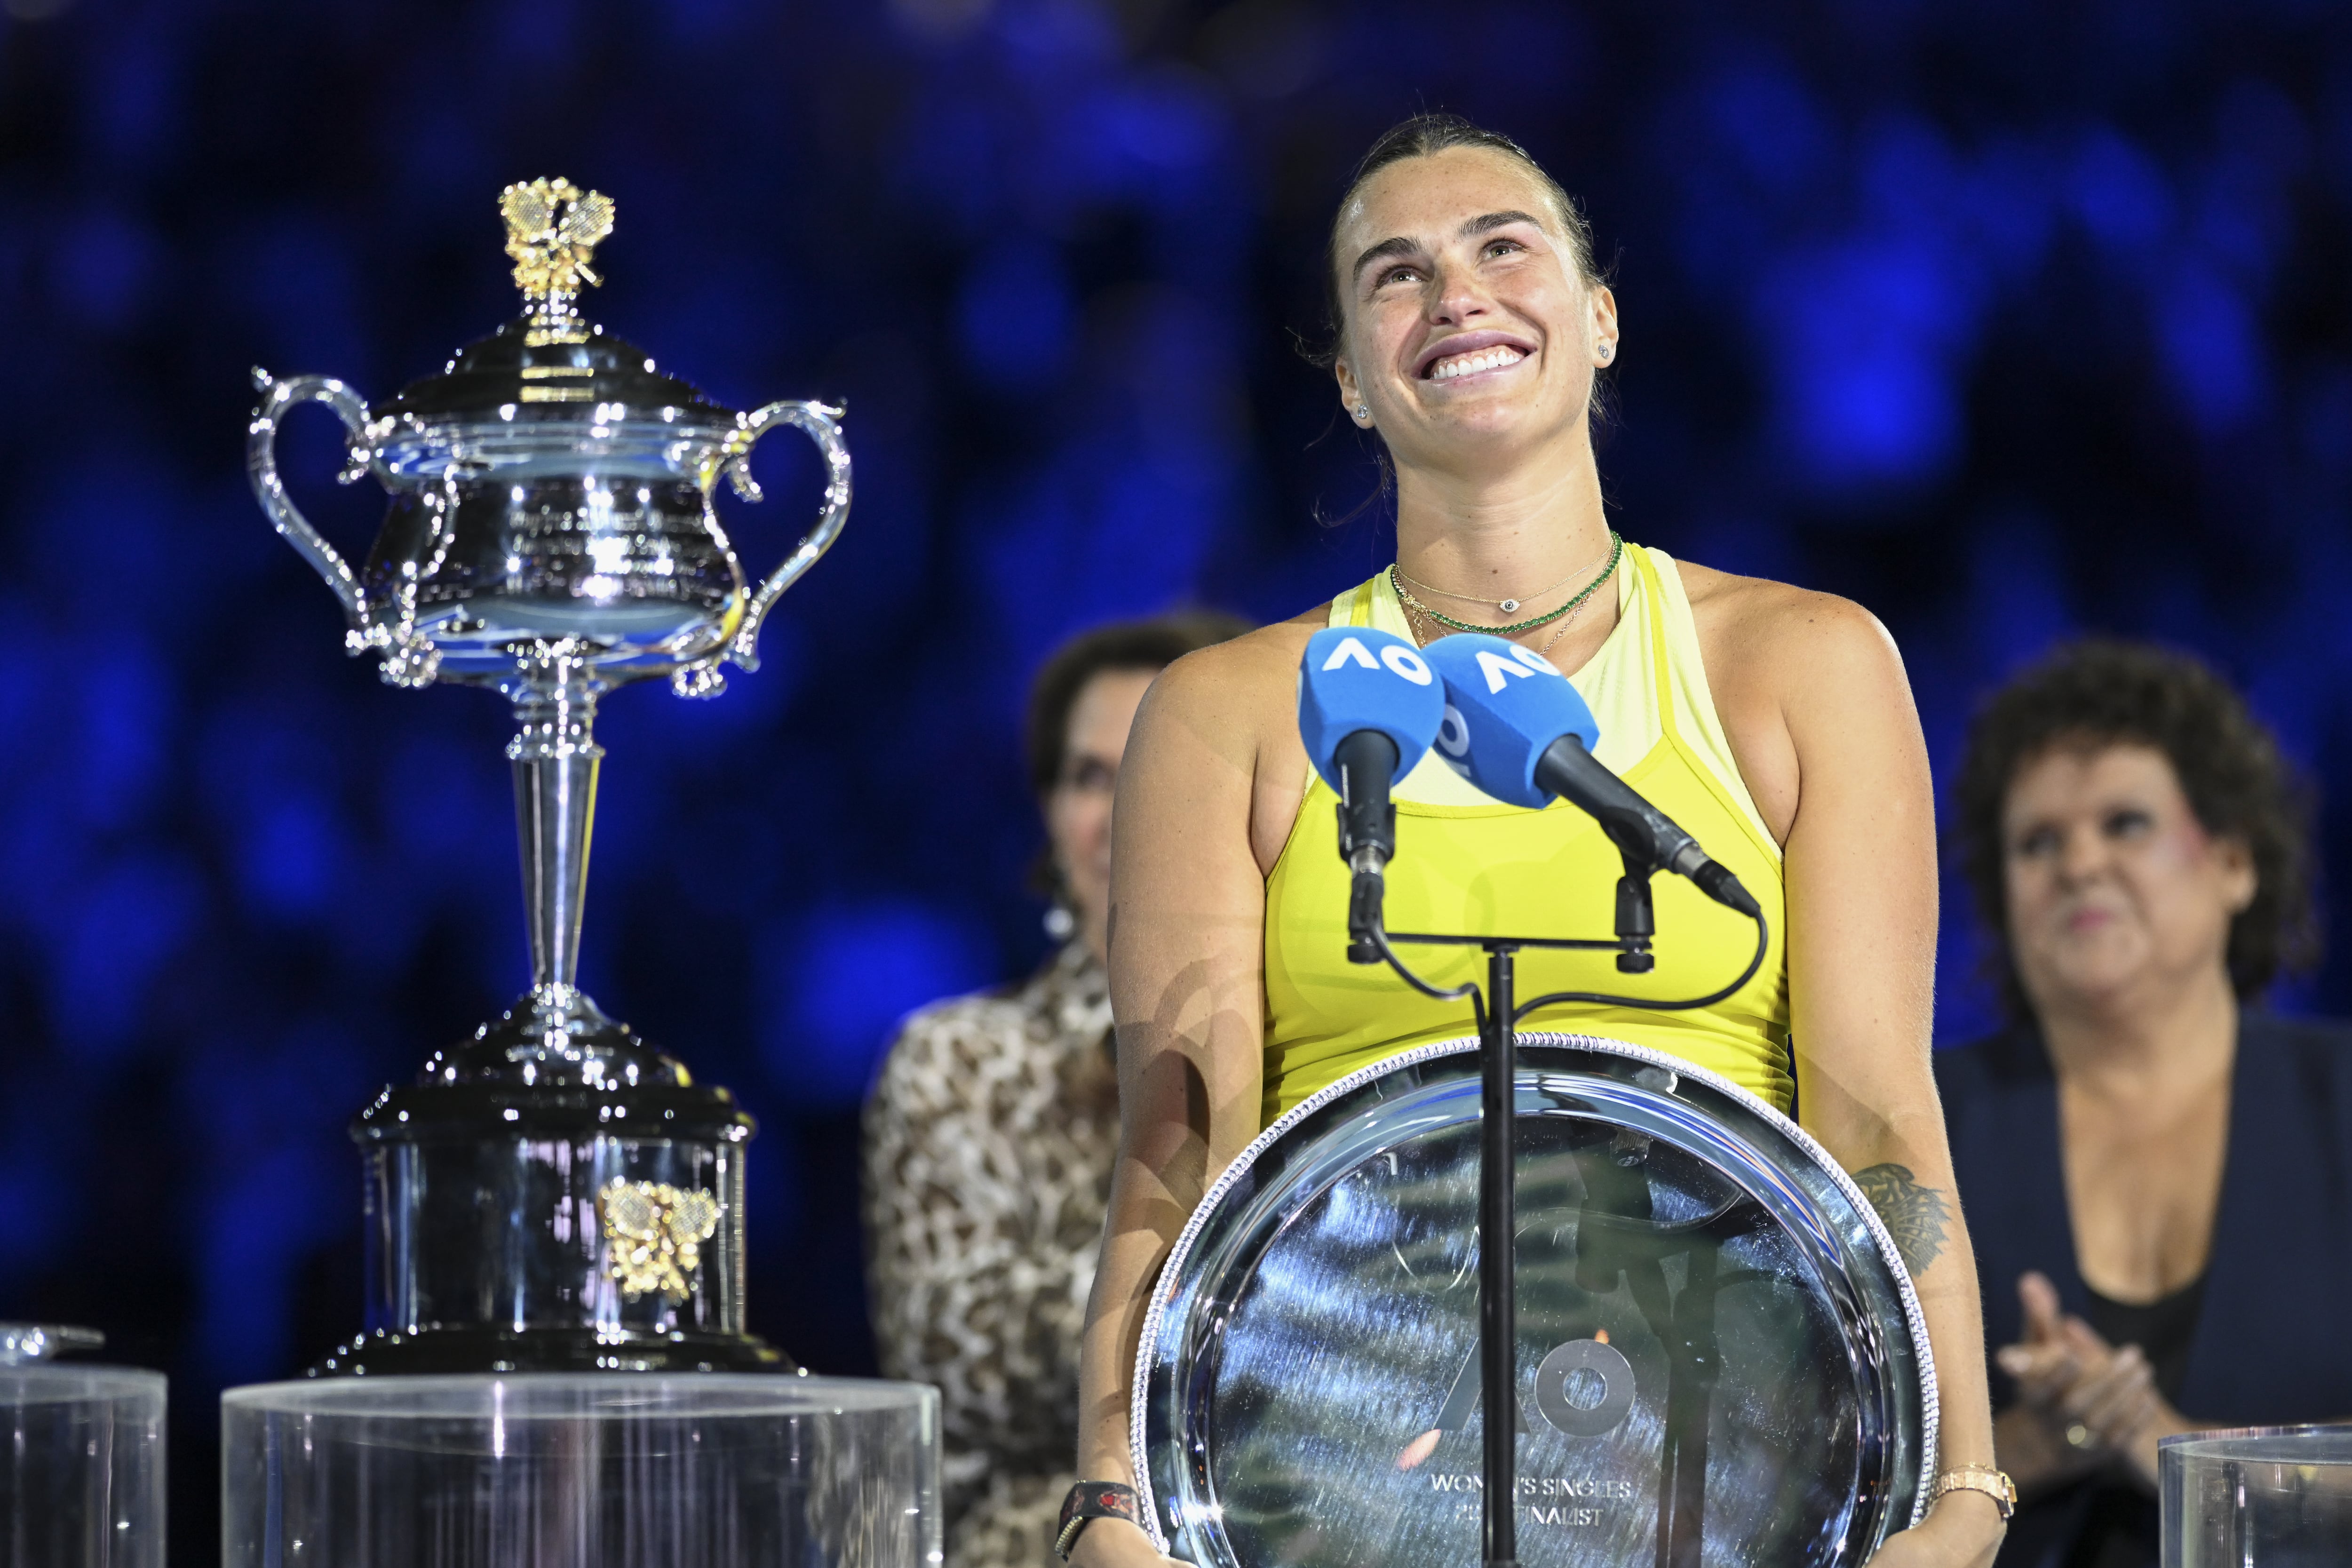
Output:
[[1091, 1500]]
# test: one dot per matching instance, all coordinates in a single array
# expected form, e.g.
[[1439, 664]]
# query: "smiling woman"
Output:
[[2154, 1160], [1775, 725]]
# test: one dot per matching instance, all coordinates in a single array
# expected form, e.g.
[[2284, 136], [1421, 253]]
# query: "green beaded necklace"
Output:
[[1616, 550]]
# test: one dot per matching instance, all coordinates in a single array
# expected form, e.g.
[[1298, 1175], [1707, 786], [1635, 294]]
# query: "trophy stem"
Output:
[[555, 758]]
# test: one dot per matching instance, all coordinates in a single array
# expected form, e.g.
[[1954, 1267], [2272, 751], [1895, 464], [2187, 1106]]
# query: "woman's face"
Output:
[[2114, 887], [1469, 328], [1077, 812]]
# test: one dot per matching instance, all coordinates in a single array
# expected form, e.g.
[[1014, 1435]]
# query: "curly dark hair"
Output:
[[2102, 691]]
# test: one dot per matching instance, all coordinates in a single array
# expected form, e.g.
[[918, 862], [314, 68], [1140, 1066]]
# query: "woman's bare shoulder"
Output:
[[1233, 677], [1799, 676], [1237, 695], [1757, 629], [1223, 724]]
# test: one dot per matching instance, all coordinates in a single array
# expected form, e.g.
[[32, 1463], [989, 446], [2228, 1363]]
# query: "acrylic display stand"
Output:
[[581, 1470], [81, 1482], [2262, 1497]]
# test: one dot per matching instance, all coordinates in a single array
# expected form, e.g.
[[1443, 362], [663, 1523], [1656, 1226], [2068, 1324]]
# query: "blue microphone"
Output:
[[1518, 730], [1368, 706]]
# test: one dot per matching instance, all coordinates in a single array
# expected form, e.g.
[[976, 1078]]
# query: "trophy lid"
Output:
[[550, 363]]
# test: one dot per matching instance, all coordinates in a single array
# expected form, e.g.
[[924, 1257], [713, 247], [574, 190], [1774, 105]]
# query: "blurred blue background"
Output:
[[2007, 319]]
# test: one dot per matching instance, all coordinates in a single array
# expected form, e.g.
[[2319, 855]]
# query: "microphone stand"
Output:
[[1499, 1231], [1497, 1014]]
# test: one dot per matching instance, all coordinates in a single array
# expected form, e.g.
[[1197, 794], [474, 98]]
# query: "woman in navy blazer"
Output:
[[2160, 1181]]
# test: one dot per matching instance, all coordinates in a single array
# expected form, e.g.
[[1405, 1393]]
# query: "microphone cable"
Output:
[[1608, 999], [1378, 932]]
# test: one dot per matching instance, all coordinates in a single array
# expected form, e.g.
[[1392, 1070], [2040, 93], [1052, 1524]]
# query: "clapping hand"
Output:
[[2092, 1403]]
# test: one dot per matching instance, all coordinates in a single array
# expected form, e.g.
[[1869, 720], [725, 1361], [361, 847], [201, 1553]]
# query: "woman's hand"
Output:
[[1115, 1543], [2088, 1398], [1963, 1530]]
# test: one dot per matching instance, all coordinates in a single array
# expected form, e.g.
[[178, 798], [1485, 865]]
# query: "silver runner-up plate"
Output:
[[1721, 1359]]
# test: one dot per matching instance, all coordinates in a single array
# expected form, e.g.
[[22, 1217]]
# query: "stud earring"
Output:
[[1608, 351], [1364, 412]]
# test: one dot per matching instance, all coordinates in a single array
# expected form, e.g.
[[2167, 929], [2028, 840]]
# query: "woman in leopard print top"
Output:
[[989, 1136]]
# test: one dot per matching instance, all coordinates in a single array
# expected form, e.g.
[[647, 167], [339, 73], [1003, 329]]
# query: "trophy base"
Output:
[[553, 1227], [473, 1347]]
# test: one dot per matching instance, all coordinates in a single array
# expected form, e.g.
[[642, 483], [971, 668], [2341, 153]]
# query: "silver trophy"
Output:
[[552, 1193]]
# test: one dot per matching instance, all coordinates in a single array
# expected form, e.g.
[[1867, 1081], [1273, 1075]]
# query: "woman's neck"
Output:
[[2153, 1042], [1510, 530]]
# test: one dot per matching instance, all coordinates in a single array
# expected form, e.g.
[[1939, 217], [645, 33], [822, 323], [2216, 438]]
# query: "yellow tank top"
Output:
[[1468, 863]]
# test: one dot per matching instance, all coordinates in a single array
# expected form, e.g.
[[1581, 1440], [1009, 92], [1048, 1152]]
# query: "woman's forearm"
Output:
[[1954, 1314], [1181, 1121], [1137, 1235], [1903, 1168]]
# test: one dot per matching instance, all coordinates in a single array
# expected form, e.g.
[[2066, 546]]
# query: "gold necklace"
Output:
[[1502, 606], [1425, 631], [1545, 651], [1404, 594]]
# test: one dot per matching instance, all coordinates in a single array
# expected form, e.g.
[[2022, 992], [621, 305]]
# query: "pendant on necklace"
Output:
[[1509, 606]]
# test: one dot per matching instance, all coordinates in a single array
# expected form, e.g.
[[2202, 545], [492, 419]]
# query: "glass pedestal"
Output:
[[81, 1481], [2262, 1497], [585, 1470]]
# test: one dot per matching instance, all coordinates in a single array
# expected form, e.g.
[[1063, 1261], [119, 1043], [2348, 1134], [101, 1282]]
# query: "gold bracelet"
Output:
[[1994, 1484]]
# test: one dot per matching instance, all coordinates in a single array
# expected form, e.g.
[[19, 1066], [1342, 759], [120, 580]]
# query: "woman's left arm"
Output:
[[1861, 877]]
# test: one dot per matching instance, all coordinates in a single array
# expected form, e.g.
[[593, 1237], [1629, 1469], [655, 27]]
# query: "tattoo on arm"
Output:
[[1915, 1216]]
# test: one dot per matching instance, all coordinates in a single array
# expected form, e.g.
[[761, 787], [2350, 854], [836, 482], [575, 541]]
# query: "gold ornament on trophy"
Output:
[[553, 228], [655, 1234]]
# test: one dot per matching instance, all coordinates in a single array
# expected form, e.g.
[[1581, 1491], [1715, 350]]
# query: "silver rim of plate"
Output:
[[1158, 1428]]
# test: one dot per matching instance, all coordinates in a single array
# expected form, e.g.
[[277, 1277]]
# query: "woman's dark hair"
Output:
[[2101, 692], [1418, 138], [1152, 644]]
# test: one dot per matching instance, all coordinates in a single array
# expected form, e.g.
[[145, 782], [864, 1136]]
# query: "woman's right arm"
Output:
[[1188, 907]]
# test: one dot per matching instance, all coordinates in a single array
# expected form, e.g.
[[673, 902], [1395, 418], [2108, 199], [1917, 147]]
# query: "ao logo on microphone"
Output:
[[1454, 732], [1453, 736], [1400, 660], [1500, 672]]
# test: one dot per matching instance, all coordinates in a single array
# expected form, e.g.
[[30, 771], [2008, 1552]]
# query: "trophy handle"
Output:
[[822, 426], [261, 464]]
